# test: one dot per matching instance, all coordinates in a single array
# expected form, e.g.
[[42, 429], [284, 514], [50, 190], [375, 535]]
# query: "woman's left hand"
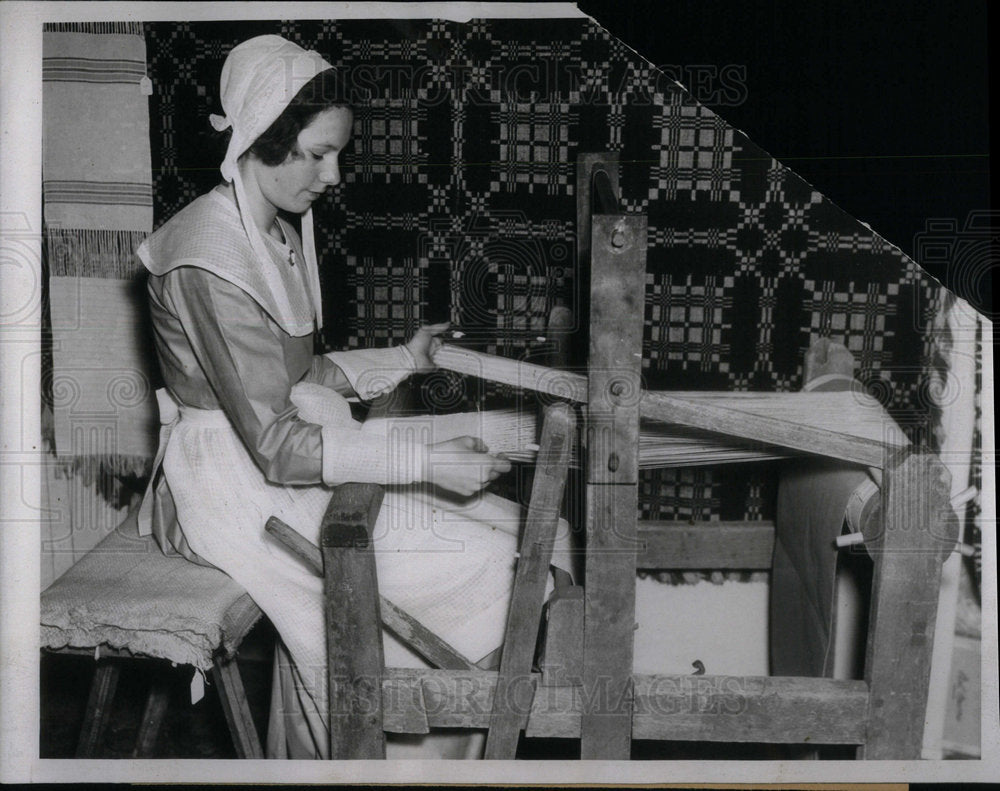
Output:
[[423, 345]]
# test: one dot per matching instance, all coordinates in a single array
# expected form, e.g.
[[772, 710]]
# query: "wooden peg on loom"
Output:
[[960, 499]]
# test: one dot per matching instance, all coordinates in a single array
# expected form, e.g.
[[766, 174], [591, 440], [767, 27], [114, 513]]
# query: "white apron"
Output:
[[448, 564]]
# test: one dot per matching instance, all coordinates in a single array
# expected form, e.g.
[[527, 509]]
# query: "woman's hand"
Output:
[[463, 465], [423, 345]]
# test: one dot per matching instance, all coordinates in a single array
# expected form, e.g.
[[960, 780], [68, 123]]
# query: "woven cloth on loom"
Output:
[[97, 193]]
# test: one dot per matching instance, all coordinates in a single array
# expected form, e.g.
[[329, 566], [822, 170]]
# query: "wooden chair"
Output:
[[127, 602]]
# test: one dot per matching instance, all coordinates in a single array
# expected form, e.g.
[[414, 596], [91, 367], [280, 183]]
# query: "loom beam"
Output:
[[672, 707], [804, 422]]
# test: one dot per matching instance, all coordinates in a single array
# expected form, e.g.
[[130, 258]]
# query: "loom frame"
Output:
[[883, 714]]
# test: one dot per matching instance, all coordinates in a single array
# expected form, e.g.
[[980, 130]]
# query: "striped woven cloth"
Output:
[[98, 207]]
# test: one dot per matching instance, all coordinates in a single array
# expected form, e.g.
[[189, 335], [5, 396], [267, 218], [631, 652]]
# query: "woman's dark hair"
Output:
[[322, 92]]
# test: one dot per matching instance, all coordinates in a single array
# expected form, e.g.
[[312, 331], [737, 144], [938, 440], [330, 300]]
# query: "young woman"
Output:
[[256, 425]]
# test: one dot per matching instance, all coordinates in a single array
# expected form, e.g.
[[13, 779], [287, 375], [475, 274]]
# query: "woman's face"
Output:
[[298, 181]]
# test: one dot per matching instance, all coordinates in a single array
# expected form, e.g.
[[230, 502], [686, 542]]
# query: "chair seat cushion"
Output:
[[126, 594]]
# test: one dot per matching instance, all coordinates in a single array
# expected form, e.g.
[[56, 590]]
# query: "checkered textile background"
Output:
[[458, 203]]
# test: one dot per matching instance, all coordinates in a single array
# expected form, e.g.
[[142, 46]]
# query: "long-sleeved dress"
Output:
[[254, 426]]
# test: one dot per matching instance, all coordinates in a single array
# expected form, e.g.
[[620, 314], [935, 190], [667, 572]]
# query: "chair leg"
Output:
[[152, 719], [95, 720], [233, 696]]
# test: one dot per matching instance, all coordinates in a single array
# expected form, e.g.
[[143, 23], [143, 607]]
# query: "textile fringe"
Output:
[[121, 28], [91, 467], [78, 252], [694, 577], [119, 480]]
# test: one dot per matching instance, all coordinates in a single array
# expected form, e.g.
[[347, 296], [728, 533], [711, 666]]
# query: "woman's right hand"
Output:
[[463, 465]]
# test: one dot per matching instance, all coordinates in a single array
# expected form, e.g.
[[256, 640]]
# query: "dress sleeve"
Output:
[[241, 354], [373, 372], [328, 374]]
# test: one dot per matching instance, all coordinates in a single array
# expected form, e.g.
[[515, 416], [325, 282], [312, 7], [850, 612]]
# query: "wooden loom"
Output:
[[586, 688]]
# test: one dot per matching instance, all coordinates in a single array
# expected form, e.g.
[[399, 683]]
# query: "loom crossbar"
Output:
[[705, 545], [666, 707]]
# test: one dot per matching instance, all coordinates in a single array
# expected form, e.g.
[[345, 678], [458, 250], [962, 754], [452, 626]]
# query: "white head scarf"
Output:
[[260, 78]]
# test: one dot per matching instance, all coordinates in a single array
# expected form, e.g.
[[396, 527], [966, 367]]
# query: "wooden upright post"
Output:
[[918, 534], [353, 622], [586, 165], [515, 686], [617, 288]]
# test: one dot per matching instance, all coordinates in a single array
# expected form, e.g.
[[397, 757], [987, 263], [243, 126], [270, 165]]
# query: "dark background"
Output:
[[883, 108]]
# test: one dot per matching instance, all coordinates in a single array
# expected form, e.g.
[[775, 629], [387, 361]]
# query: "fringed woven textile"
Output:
[[98, 206]]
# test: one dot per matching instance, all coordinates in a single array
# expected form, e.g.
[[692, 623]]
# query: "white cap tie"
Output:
[[260, 78]]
